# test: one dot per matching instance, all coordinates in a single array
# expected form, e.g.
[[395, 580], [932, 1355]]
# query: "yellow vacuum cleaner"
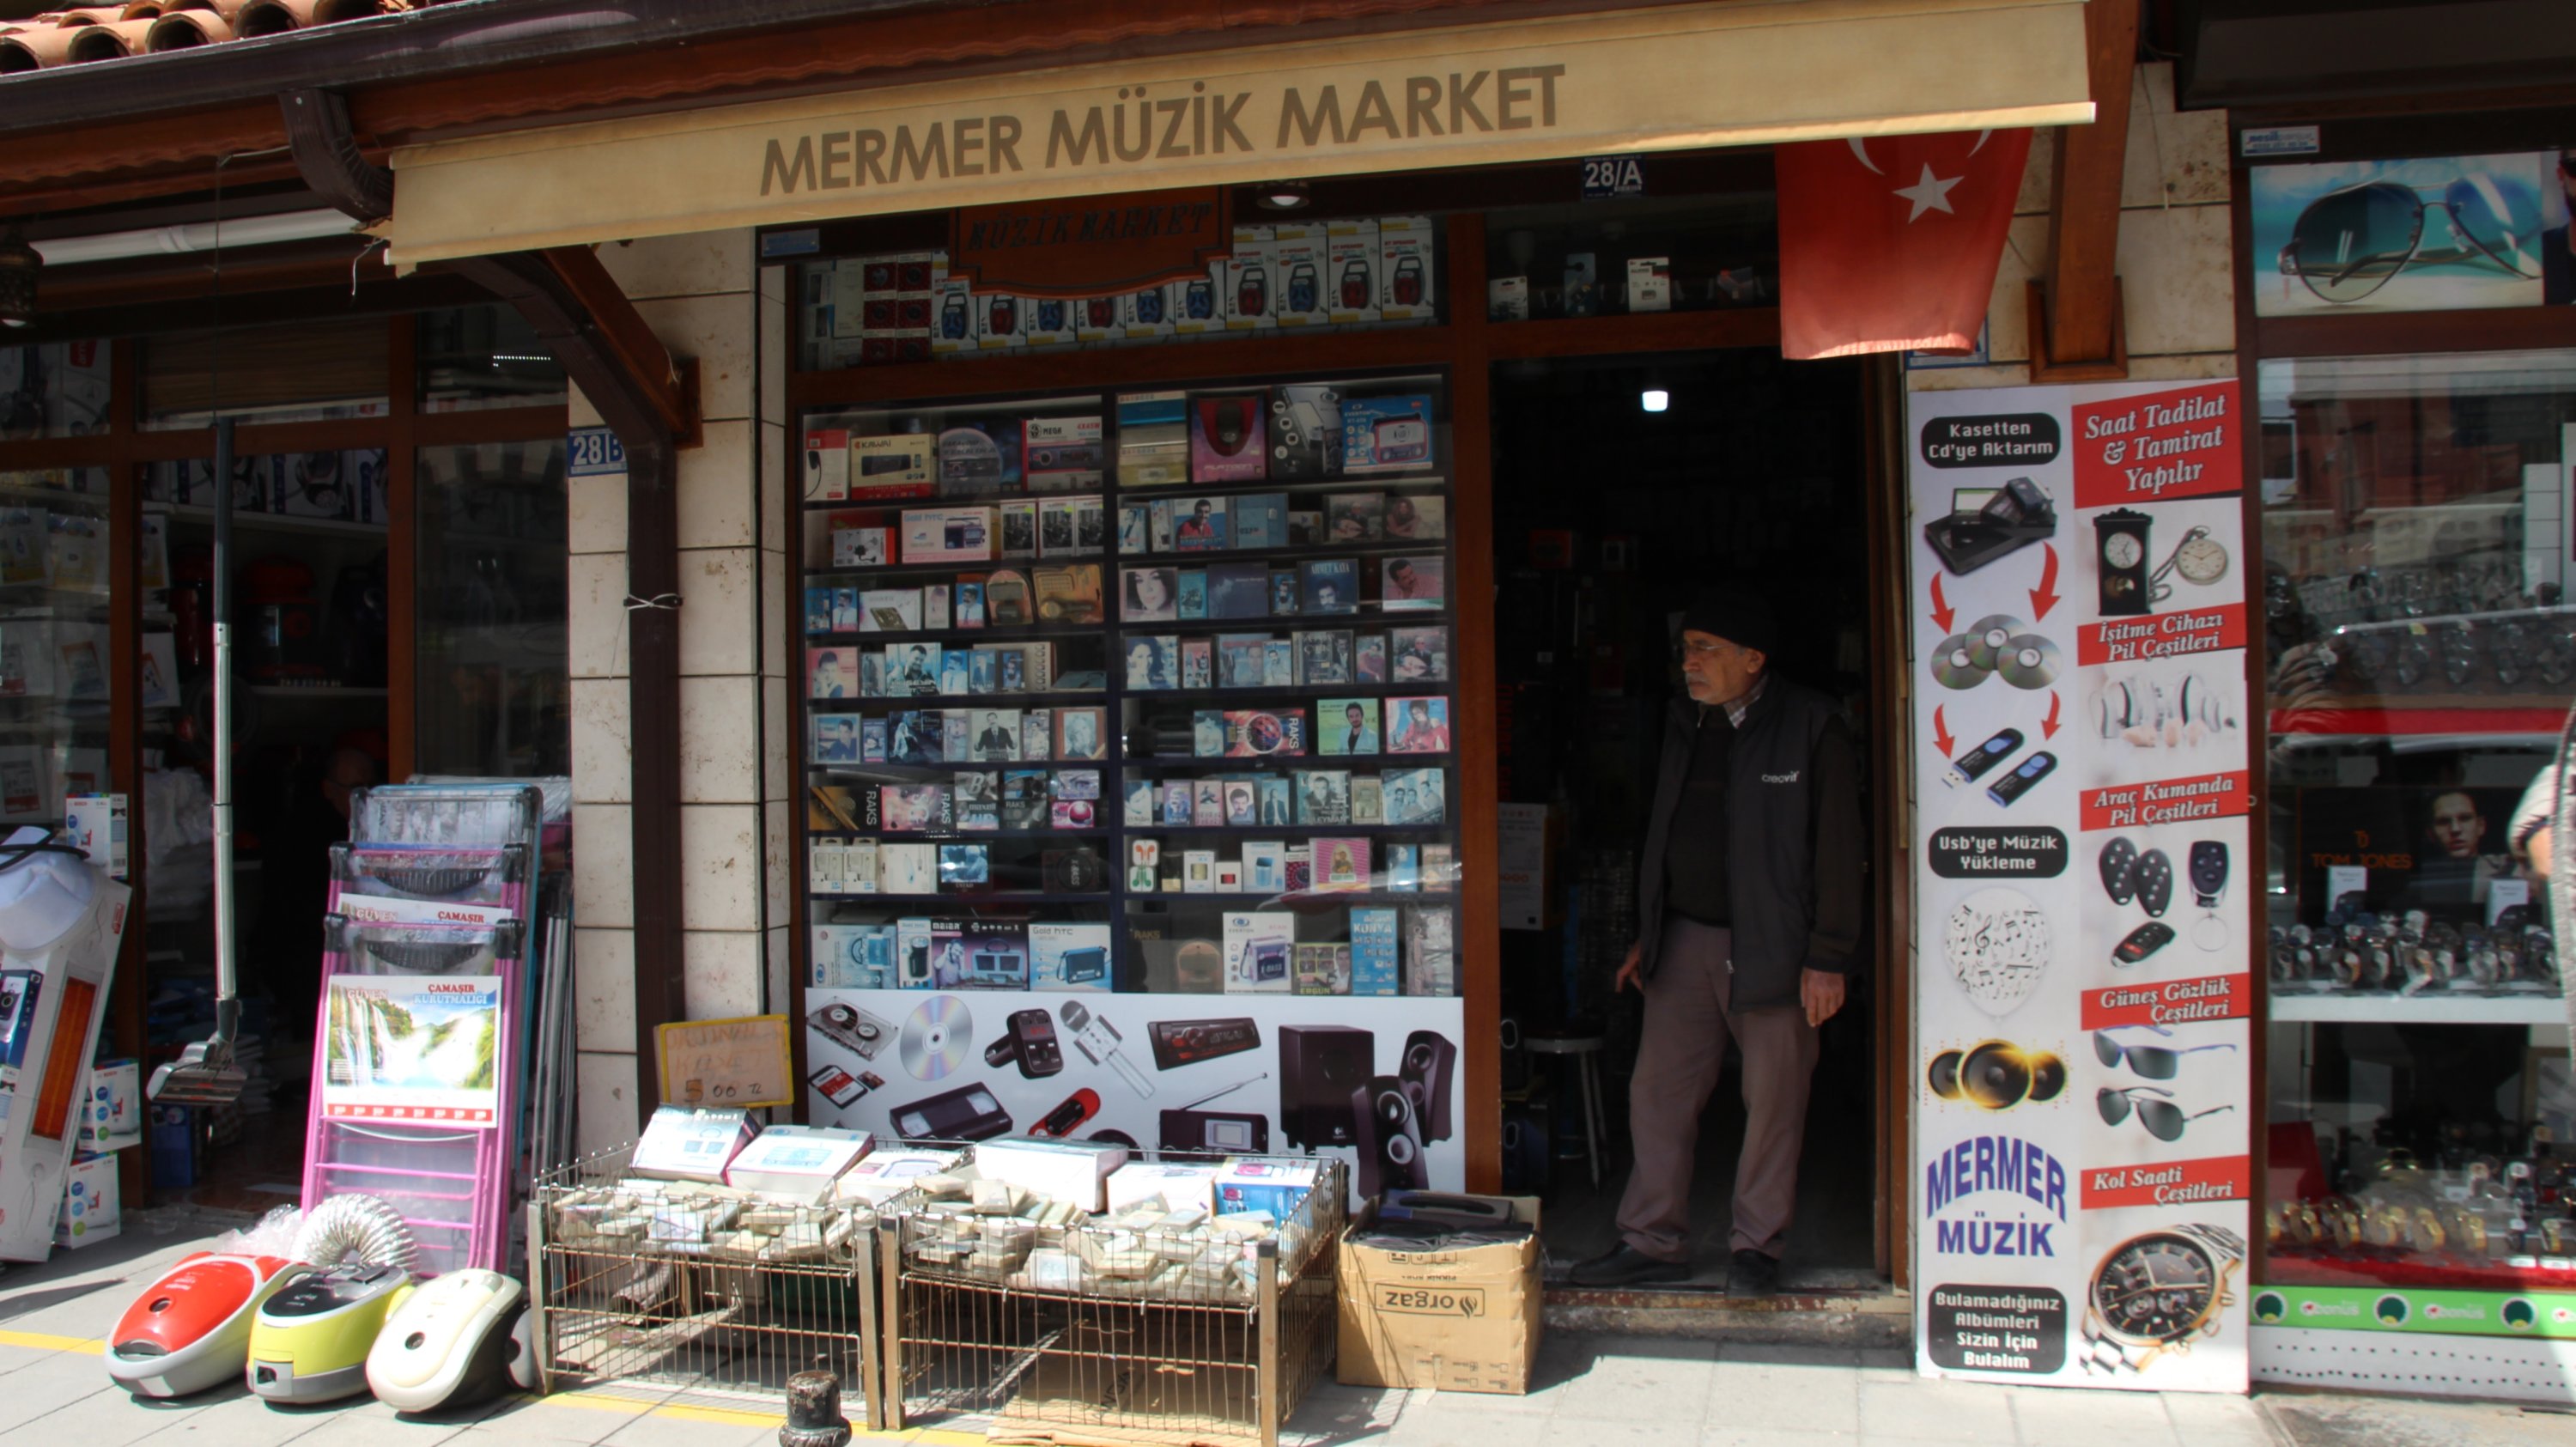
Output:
[[309, 1342]]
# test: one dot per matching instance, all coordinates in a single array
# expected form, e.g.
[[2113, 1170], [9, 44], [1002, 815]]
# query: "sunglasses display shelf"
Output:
[[1089, 677]]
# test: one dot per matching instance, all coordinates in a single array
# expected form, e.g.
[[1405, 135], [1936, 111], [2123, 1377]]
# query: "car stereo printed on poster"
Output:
[[2086, 896]]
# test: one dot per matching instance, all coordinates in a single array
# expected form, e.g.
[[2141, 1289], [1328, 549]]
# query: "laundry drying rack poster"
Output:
[[2086, 892]]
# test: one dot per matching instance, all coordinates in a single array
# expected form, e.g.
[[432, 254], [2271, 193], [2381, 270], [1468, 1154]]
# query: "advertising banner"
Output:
[[1281, 1075], [412, 1048], [2084, 886], [2431, 233]]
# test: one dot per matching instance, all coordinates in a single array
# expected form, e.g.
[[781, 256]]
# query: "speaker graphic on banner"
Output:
[[2085, 891]]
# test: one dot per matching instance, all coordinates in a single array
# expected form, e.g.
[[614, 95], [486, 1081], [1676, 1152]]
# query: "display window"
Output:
[[2422, 659]]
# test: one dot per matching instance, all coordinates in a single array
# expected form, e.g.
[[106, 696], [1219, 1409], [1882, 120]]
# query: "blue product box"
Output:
[[1386, 434], [1374, 969], [1153, 409]]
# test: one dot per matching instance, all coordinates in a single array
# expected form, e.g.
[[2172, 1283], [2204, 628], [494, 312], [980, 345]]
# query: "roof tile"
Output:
[[91, 33]]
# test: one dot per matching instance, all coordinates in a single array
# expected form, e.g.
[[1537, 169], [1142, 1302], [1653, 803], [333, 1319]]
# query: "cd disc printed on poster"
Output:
[[1954, 663], [2029, 661], [934, 1039], [1989, 636]]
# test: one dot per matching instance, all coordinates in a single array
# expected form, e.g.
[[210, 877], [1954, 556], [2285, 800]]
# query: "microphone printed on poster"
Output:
[[2181, 443]]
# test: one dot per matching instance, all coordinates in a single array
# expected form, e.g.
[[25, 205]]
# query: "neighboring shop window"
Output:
[[53, 389], [54, 661], [2416, 514], [492, 666], [475, 358]]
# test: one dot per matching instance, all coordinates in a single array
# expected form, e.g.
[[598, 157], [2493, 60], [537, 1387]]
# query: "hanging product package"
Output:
[[60, 921]]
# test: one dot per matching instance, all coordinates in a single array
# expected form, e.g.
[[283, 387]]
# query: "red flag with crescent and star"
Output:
[[1890, 244]]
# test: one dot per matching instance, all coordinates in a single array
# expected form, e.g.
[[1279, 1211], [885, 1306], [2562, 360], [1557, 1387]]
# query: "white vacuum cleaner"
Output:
[[452, 1344], [190, 1330]]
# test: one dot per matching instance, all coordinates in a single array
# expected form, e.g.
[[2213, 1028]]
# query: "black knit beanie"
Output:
[[1739, 616]]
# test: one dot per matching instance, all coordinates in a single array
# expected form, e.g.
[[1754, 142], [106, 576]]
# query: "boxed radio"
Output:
[[1062, 454], [899, 465], [1386, 434]]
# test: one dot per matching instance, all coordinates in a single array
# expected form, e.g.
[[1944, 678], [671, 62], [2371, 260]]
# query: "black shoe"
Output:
[[1625, 1265], [1753, 1274]]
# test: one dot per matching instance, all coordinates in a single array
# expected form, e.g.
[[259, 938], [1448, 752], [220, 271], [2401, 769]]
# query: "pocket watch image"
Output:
[[2158, 1293]]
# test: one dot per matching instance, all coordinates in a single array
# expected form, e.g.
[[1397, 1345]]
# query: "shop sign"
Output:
[[2549, 1314], [1613, 178], [2086, 895], [1091, 245], [2435, 233], [1614, 85]]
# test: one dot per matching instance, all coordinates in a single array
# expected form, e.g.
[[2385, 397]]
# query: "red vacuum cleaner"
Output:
[[190, 1330]]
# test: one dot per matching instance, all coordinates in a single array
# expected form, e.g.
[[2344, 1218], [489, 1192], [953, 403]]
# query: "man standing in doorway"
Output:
[[1750, 895]]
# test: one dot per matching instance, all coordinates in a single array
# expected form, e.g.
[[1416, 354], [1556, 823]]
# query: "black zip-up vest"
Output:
[[1770, 814]]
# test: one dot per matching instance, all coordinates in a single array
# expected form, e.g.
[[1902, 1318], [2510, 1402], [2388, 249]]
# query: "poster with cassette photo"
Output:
[[1261, 1074], [2085, 896]]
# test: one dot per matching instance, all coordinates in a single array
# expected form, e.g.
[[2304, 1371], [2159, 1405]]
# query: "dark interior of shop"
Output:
[[1607, 517]]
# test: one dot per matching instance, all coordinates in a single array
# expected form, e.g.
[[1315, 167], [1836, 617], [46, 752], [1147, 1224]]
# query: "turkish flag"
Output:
[[1890, 244]]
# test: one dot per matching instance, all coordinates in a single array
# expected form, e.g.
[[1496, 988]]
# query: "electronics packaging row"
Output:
[[871, 311], [345, 486]]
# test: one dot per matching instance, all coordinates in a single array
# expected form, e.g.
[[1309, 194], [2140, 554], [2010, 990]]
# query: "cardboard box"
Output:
[[1076, 1171], [1268, 1184], [1350, 271], [1300, 278], [1408, 269], [997, 321], [827, 464], [92, 1211], [1176, 1185], [112, 1106], [898, 464], [1198, 302], [680, 1144], [1453, 1321], [1249, 297], [1650, 283], [1047, 321], [952, 316], [1063, 454], [95, 825], [883, 1175], [796, 1162]]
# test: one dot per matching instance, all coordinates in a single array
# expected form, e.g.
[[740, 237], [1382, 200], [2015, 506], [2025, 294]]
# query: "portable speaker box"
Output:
[[1453, 1321]]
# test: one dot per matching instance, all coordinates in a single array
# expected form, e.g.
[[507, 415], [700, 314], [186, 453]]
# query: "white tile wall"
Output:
[[717, 331], [716, 492], [690, 265], [720, 866], [603, 867], [603, 978], [725, 973], [601, 772], [718, 764], [606, 1080], [595, 615], [718, 590]]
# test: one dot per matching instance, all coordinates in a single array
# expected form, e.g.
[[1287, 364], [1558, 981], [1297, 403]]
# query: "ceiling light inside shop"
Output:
[[1282, 196], [1654, 399]]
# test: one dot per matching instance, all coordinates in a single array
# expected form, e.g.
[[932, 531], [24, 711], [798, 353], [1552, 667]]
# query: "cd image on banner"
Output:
[[935, 1038]]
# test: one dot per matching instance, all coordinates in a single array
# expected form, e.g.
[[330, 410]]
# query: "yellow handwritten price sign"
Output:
[[738, 1062]]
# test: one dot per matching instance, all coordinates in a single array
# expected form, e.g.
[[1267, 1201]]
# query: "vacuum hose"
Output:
[[354, 1226]]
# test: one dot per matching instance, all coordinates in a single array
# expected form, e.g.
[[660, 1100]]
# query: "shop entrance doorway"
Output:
[[1621, 485]]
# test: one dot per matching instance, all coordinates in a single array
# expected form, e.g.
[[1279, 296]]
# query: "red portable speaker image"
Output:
[[1355, 285], [1002, 316], [1101, 311], [1407, 281], [1252, 294]]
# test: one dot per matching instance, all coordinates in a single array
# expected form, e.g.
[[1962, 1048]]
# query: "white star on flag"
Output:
[[1929, 194]]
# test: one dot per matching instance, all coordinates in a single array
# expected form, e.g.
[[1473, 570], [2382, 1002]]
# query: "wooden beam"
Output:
[[625, 334], [2082, 314]]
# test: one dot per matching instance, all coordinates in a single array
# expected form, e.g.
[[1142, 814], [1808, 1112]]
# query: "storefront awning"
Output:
[[1673, 77]]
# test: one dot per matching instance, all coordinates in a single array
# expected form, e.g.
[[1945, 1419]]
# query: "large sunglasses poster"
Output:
[[2448, 233], [2084, 887]]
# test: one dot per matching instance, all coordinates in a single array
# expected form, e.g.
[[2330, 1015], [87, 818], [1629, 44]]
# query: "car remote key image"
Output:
[[2143, 941], [2120, 869], [2017, 783], [2155, 882], [1977, 762], [2208, 873]]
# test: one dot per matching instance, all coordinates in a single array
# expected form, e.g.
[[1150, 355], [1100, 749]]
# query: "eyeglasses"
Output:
[[2155, 1062], [2349, 243], [2163, 1119]]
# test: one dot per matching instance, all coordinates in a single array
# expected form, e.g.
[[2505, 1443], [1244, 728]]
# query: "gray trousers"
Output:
[[1688, 1025]]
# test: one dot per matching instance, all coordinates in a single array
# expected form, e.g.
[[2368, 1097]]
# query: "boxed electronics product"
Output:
[[882, 1175], [947, 534], [1229, 439], [1300, 293], [952, 316], [112, 1107], [1179, 1186], [1198, 306], [1453, 1318], [76, 389], [997, 322], [1146, 314], [1095, 319], [92, 1210], [978, 458], [1258, 948], [312, 484], [1507, 299], [797, 1162], [680, 1144], [1047, 321], [1062, 454], [901, 464], [1386, 434], [827, 464], [1650, 283], [1153, 439], [1250, 297], [1277, 1186], [1407, 263], [1305, 430], [1076, 1171], [1350, 271], [1069, 956], [95, 824]]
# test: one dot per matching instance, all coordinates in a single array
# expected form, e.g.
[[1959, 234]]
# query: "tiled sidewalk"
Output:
[[1593, 1391]]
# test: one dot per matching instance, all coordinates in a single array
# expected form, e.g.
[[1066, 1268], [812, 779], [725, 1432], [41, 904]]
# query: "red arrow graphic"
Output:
[[2044, 597], [1942, 612], [1941, 729], [2048, 725]]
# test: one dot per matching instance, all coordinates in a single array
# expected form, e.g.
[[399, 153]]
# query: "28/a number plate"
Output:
[[1607, 178]]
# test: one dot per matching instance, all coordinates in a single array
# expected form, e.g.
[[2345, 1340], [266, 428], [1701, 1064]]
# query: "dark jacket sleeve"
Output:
[[1833, 944]]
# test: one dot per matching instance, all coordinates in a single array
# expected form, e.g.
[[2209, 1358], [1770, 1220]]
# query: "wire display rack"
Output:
[[1155, 1333], [670, 1284]]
